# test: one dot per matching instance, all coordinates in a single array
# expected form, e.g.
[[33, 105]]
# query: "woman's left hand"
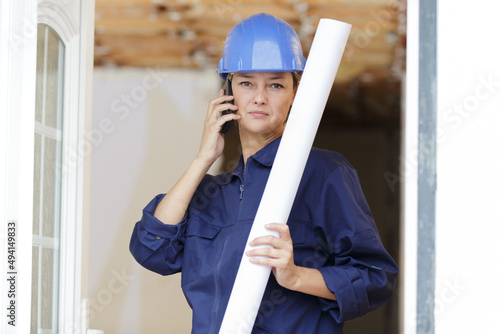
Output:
[[280, 257]]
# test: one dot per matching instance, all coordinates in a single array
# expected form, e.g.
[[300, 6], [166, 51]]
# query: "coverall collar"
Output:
[[264, 157]]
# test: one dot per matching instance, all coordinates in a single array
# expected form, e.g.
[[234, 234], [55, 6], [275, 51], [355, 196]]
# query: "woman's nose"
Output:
[[260, 96]]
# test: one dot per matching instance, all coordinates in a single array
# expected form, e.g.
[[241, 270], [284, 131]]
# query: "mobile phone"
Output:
[[229, 91]]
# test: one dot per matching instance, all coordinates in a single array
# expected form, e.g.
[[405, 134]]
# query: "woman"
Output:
[[328, 264]]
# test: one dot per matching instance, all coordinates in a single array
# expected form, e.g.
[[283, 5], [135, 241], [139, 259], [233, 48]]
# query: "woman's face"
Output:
[[264, 100]]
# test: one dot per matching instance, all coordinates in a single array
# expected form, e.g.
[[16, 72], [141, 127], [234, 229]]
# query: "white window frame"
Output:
[[18, 41], [59, 19], [17, 93]]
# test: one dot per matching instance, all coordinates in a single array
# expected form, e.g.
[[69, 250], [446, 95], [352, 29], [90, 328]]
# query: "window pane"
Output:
[[40, 57], [48, 289], [47, 181], [53, 85], [36, 184], [34, 291], [51, 187]]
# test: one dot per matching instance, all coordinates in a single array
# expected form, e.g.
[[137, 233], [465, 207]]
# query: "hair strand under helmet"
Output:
[[261, 43]]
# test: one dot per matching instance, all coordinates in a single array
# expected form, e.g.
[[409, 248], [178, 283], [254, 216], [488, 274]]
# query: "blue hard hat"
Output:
[[261, 43]]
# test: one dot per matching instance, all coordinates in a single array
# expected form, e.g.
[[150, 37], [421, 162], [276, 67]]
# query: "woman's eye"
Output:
[[245, 83], [276, 86]]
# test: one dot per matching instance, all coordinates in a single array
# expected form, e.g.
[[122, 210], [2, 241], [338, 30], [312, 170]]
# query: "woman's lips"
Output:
[[258, 114]]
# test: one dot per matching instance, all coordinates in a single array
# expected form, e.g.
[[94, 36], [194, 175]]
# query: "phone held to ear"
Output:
[[229, 91]]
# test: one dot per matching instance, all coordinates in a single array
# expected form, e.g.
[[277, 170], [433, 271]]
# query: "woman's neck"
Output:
[[251, 144]]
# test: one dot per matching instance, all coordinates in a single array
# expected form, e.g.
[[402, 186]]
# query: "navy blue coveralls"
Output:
[[331, 227]]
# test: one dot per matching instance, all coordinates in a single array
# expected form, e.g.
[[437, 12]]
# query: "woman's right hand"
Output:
[[173, 206], [212, 141]]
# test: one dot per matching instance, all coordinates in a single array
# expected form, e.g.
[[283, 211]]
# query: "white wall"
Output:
[[146, 129], [468, 168]]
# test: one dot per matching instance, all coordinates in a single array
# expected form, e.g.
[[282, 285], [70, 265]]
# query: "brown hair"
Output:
[[296, 79]]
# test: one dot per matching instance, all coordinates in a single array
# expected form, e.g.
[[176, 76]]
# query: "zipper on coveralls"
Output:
[[242, 185], [242, 190]]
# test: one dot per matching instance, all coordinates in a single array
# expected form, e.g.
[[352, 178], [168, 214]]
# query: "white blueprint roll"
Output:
[[317, 80]]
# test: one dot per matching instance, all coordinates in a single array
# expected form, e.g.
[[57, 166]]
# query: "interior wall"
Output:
[[146, 129]]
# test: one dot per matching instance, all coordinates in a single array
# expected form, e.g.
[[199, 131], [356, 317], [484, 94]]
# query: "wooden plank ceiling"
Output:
[[190, 33]]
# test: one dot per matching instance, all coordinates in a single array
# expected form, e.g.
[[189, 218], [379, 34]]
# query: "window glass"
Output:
[[47, 181]]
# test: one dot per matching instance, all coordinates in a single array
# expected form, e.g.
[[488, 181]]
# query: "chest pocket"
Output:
[[299, 231], [306, 246], [199, 248]]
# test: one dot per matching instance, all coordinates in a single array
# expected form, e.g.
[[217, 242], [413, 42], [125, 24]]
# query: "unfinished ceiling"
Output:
[[190, 33]]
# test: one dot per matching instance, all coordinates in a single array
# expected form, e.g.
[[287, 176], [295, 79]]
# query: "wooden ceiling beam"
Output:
[[343, 3], [233, 11], [191, 2], [367, 4], [184, 4], [151, 61], [141, 45], [190, 33], [134, 26]]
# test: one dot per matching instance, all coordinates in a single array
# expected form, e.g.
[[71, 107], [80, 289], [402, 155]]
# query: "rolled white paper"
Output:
[[277, 200]]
